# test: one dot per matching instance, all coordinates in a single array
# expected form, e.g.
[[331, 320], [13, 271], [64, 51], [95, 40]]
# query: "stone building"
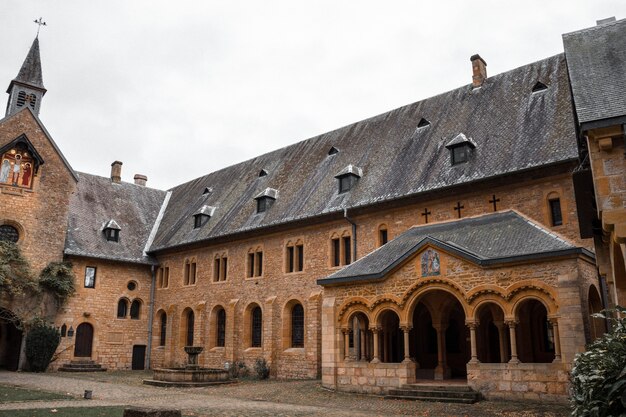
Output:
[[438, 240]]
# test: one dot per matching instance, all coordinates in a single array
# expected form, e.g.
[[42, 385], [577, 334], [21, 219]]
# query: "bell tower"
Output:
[[27, 88]]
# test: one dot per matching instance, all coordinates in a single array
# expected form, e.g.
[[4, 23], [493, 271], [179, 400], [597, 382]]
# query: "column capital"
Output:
[[375, 329], [406, 328], [345, 330], [511, 323], [472, 324]]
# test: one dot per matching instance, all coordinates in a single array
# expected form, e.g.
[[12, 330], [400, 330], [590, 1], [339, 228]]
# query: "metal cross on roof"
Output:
[[40, 23]]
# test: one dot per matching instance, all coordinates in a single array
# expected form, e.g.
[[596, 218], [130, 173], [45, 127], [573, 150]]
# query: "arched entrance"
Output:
[[10, 341], [492, 335], [535, 335], [84, 340], [439, 338], [597, 325]]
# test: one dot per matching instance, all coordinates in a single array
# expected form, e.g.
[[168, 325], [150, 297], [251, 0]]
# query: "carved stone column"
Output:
[[362, 345], [557, 340], [512, 324], [376, 358], [502, 339], [472, 327], [346, 344], [407, 355], [441, 371]]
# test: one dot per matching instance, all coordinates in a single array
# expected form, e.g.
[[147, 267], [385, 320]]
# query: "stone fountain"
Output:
[[192, 375]]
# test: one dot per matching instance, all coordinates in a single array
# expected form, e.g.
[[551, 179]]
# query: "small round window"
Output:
[[132, 285], [9, 233]]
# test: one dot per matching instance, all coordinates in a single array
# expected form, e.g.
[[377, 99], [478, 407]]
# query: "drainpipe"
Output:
[[150, 317], [345, 216]]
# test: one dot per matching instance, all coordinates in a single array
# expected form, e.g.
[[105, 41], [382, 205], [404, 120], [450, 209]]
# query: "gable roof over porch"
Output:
[[486, 240]]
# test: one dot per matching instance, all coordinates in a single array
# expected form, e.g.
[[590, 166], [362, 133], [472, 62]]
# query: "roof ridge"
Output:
[[593, 28]]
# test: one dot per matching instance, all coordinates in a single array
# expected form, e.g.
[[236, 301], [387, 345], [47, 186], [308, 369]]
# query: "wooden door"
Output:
[[139, 357], [84, 340]]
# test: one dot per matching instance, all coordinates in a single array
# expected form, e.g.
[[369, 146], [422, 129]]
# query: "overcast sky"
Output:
[[178, 89]]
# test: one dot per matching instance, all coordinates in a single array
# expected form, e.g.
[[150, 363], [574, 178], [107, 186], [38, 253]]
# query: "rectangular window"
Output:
[[336, 252], [186, 274], [166, 277], [300, 254], [261, 205], [555, 212], [224, 268], [192, 273], [259, 263], [90, 277], [383, 236], [347, 250], [160, 278], [290, 260], [216, 269], [250, 265], [459, 154]]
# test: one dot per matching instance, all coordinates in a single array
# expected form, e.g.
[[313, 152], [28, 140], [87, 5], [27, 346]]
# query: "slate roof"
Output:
[[30, 73], [512, 128], [596, 60], [493, 238], [98, 201]]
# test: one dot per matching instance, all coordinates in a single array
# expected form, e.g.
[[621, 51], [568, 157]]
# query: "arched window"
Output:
[[257, 327], [135, 309], [122, 308], [190, 324], [221, 328], [163, 329], [297, 326], [9, 233], [63, 330]]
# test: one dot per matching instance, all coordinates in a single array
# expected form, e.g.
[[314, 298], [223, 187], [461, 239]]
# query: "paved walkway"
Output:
[[248, 398]]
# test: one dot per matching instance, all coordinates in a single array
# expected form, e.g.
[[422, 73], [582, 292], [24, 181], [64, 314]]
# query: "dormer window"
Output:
[[207, 190], [263, 173], [202, 216], [265, 199], [539, 87], [333, 151], [423, 123], [348, 178], [460, 149], [112, 231]]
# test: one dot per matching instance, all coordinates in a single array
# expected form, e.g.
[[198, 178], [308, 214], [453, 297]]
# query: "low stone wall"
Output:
[[373, 378], [533, 381]]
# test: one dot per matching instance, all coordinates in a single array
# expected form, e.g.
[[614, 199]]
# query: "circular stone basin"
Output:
[[193, 350], [182, 377]]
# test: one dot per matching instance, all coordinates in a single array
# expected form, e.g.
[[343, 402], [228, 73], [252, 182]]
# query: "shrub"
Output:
[[41, 343], [598, 375], [238, 369], [58, 278], [261, 368], [15, 274]]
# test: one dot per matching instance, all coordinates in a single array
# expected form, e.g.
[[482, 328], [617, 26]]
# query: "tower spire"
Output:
[[27, 88]]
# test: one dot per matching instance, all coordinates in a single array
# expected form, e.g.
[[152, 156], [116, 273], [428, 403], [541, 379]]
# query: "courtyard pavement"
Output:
[[248, 398]]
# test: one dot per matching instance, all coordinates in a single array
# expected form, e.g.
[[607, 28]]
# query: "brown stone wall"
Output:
[[275, 289], [113, 337], [40, 214]]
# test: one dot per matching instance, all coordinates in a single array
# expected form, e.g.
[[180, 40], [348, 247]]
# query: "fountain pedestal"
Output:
[[192, 375]]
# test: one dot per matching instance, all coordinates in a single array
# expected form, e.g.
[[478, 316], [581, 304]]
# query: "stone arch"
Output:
[[492, 334], [534, 330], [187, 327], [486, 298], [135, 309], [349, 305], [359, 335], [122, 307], [417, 291], [532, 294], [217, 326], [160, 327], [382, 305], [390, 337], [251, 325], [83, 342], [597, 326], [293, 332]]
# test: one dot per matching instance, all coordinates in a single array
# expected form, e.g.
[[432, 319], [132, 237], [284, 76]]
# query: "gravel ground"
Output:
[[249, 398]]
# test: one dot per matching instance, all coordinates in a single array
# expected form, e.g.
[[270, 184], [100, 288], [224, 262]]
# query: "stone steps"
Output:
[[453, 393], [82, 366]]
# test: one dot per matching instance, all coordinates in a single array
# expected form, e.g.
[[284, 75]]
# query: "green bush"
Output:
[[41, 343], [15, 274], [238, 369], [598, 375], [261, 368], [58, 278]]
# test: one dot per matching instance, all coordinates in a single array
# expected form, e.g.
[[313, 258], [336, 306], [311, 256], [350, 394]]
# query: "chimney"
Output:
[[116, 172], [479, 71], [141, 180]]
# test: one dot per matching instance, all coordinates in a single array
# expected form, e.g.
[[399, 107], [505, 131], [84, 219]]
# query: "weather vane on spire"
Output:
[[40, 23]]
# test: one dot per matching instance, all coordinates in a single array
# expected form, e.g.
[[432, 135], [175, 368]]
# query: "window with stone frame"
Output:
[[294, 256], [163, 277], [297, 326], [256, 331], [9, 233], [254, 266], [340, 249], [135, 309], [220, 267], [189, 273], [122, 308], [163, 329], [383, 235], [90, 277], [221, 328], [556, 216]]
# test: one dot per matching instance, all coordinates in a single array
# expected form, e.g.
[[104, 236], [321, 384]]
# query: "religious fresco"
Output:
[[17, 167], [431, 264]]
